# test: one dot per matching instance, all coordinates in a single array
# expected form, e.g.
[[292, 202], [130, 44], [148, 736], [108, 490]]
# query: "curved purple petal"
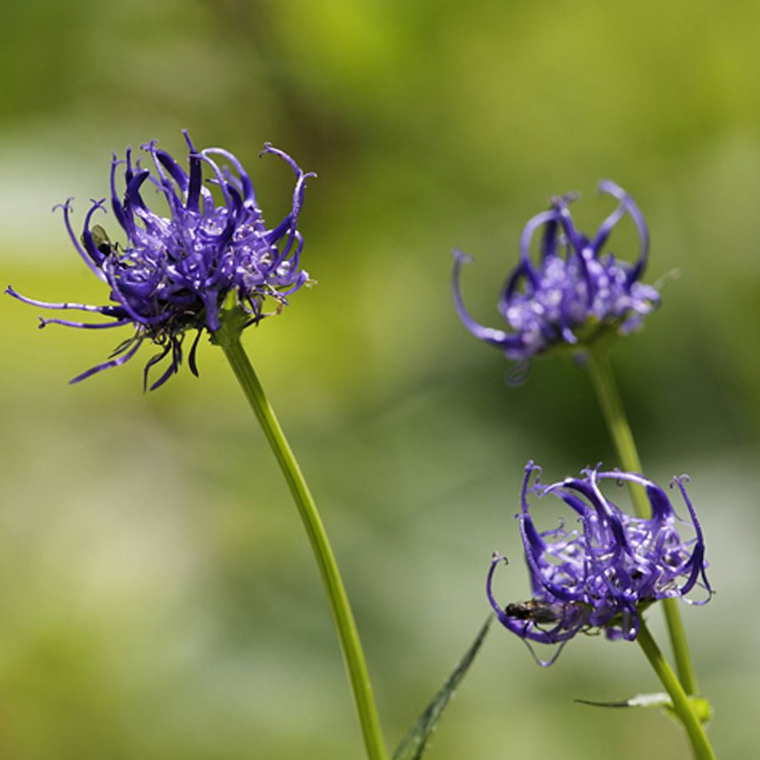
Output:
[[66, 207], [609, 187], [123, 359], [488, 334]]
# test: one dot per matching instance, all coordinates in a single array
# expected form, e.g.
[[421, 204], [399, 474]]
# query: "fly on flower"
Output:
[[574, 292], [535, 611], [100, 240], [604, 573], [181, 271]]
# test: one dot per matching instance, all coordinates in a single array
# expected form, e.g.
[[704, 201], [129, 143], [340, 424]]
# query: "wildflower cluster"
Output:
[[604, 573], [208, 262], [176, 271], [574, 292]]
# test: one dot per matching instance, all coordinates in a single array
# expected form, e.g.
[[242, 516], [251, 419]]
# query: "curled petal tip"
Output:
[[562, 201], [65, 206], [611, 188], [518, 373], [461, 256]]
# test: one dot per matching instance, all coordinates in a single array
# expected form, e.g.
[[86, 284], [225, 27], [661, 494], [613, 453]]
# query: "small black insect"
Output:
[[100, 238], [537, 611]]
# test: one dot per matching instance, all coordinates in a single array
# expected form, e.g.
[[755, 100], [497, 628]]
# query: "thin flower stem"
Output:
[[681, 703], [612, 407], [341, 609]]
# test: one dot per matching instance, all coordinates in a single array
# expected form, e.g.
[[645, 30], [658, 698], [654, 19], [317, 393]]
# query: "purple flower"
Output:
[[573, 293], [207, 247], [605, 572]]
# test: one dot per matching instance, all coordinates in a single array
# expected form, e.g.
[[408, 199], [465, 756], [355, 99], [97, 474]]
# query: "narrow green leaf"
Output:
[[701, 706], [413, 745], [640, 700]]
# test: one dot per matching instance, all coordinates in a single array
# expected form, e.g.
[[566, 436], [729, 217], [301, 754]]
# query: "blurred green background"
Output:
[[159, 597]]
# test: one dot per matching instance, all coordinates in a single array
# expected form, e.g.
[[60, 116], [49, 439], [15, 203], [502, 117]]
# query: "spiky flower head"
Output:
[[574, 293], [208, 246], [603, 573]]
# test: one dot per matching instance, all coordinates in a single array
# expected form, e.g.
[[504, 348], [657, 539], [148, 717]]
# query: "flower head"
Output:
[[179, 266], [574, 292], [605, 572]]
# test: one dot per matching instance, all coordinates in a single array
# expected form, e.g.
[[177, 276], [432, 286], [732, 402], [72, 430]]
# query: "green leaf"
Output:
[[413, 745], [701, 706]]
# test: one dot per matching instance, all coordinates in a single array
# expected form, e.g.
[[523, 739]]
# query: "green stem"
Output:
[[681, 703], [620, 430], [228, 338]]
